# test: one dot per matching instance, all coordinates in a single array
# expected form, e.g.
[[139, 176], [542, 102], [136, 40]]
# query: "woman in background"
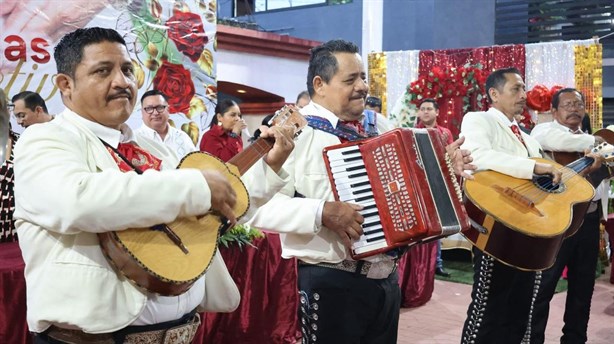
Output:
[[7, 201], [223, 139]]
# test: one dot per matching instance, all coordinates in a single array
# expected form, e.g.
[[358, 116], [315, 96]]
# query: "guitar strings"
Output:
[[535, 194]]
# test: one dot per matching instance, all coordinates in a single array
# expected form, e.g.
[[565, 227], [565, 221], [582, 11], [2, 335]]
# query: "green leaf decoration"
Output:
[[150, 32], [240, 235]]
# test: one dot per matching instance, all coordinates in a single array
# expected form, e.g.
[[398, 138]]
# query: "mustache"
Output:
[[123, 93]]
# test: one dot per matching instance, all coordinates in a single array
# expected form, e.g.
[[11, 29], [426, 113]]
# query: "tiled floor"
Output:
[[440, 321]]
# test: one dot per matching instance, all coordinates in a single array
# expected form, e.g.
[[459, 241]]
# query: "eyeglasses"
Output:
[[574, 105], [159, 108]]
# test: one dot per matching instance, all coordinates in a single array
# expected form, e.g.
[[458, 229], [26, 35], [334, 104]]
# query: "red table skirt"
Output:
[[13, 328], [417, 275], [269, 298]]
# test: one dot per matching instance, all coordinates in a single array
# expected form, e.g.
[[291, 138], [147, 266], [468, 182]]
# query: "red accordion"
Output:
[[406, 184]]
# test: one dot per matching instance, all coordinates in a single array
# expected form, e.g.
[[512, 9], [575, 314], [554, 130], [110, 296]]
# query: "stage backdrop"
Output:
[[455, 78], [172, 44]]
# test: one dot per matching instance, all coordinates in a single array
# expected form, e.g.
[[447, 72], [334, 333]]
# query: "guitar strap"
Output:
[[345, 133]]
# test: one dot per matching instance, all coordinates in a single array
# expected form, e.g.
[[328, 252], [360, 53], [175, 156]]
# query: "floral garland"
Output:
[[465, 82]]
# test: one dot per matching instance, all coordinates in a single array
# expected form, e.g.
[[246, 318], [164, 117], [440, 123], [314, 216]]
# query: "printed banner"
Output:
[[171, 42]]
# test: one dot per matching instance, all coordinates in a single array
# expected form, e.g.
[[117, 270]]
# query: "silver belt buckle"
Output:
[[381, 270]]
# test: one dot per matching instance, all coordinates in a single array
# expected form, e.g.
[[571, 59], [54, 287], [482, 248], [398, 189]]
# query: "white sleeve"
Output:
[[553, 139], [54, 169]]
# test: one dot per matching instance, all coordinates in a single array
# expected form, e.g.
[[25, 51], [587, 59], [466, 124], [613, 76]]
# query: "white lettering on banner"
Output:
[[172, 46]]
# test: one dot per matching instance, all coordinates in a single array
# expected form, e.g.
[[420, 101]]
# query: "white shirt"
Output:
[[556, 137], [177, 140]]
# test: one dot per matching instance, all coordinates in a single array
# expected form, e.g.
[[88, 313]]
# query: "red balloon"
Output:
[[539, 98]]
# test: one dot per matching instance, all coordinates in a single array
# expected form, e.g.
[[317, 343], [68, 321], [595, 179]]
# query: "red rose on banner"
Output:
[[176, 82], [186, 30]]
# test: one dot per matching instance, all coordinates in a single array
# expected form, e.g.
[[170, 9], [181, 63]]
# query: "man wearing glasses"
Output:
[[154, 108], [373, 103], [29, 108], [580, 251]]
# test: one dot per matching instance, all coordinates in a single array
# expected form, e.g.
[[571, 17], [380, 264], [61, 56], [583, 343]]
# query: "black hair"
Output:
[[154, 93], [497, 80], [68, 53], [556, 98], [429, 100], [323, 62], [221, 107], [373, 102], [31, 100]]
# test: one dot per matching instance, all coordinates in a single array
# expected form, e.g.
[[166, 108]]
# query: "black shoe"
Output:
[[441, 272]]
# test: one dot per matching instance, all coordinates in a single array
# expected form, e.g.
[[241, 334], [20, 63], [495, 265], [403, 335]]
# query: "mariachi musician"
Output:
[[501, 297], [563, 138]]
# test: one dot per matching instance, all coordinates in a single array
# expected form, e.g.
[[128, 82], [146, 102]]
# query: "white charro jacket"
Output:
[[494, 146], [68, 188], [296, 218]]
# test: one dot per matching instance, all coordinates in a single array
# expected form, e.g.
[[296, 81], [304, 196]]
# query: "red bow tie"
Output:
[[354, 125], [137, 156]]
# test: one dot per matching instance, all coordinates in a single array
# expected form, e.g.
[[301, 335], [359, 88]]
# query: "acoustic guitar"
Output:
[[595, 178], [168, 258], [522, 222]]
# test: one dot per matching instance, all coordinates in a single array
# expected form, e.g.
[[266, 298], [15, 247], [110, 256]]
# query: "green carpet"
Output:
[[458, 263]]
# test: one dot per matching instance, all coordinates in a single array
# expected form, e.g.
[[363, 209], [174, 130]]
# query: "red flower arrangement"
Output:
[[466, 82]]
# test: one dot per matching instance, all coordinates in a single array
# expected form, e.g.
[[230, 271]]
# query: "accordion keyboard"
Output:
[[352, 185]]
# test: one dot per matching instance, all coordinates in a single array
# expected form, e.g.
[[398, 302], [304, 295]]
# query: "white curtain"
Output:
[[551, 63], [401, 69]]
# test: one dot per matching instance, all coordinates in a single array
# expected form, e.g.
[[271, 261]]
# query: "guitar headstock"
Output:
[[606, 150], [289, 116]]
